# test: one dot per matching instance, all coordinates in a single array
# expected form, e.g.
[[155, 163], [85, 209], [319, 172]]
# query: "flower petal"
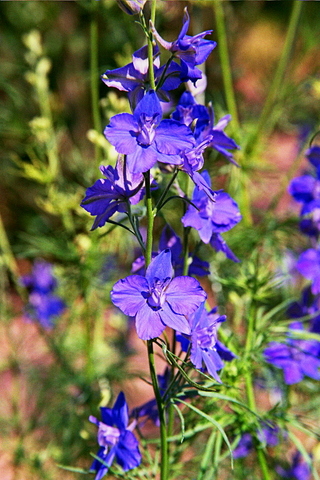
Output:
[[129, 294], [184, 295], [121, 133], [148, 323]]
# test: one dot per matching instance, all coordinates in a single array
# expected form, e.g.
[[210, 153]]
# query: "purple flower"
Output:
[[111, 195], [145, 139], [131, 7], [134, 77], [299, 470], [115, 439], [313, 155], [212, 217], [205, 347], [191, 51], [189, 110], [308, 265], [43, 305], [206, 130], [268, 435], [158, 300], [297, 358]]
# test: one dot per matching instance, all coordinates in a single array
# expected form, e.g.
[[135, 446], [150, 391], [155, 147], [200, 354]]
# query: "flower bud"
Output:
[[132, 7]]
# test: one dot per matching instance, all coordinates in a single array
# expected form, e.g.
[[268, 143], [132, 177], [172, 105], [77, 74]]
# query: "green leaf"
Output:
[[214, 422], [229, 399], [73, 469]]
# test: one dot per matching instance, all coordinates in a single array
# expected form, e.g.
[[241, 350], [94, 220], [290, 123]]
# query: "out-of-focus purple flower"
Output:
[[115, 439], [191, 51], [308, 265], [134, 77], [110, 195], [297, 358], [145, 139], [211, 218], [43, 305], [244, 446], [158, 300], [169, 239], [307, 306], [313, 155], [268, 435], [299, 470], [131, 7], [205, 347]]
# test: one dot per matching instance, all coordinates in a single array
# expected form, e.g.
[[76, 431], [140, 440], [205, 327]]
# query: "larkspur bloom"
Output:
[[207, 135], [115, 439], [131, 7], [308, 265], [268, 435], [308, 305], [297, 358], [191, 51], [145, 139], [211, 218], [134, 77], [205, 347], [169, 239], [43, 305], [306, 190], [299, 469], [157, 300], [111, 194]]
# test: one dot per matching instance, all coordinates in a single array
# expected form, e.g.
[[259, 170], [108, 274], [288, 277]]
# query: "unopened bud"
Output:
[[132, 7]]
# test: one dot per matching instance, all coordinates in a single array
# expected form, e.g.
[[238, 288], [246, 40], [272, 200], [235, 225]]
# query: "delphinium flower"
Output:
[[207, 135], [43, 305], [131, 7], [296, 357], [191, 50], [308, 265], [157, 300], [210, 218], [134, 77], [110, 195], [306, 190], [205, 347], [299, 469], [115, 439], [145, 139], [268, 435], [307, 306], [169, 239]]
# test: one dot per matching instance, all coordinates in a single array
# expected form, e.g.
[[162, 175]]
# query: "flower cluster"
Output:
[[298, 357], [43, 305], [158, 294]]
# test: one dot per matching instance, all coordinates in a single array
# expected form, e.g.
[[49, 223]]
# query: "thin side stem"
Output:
[[94, 68], [163, 427], [275, 88], [225, 62], [249, 385]]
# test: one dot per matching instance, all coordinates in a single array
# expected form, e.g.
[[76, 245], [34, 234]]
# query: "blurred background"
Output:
[[53, 108]]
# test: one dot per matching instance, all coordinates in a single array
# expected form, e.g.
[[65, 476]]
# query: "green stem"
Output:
[[275, 89], [163, 427], [8, 259], [249, 347], [150, 220], [94, 69], [225, 62]]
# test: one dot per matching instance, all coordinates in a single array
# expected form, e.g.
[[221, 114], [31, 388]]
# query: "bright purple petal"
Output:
[[121, 133], [129, 294], [184, 295], [148, 323]]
